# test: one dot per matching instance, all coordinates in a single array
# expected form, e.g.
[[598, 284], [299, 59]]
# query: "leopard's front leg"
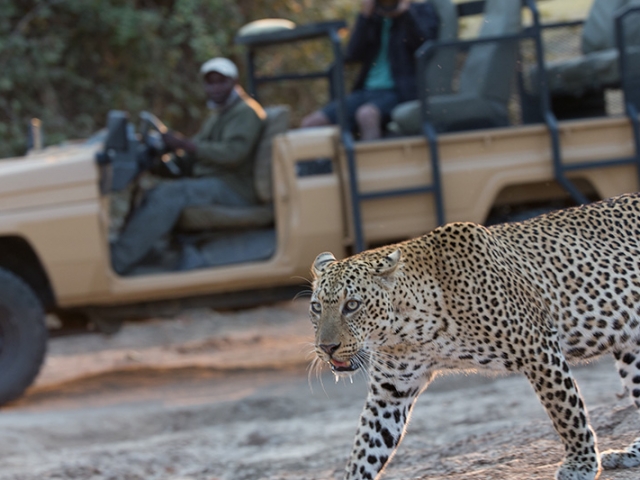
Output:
[[382, 424], [552, 380]]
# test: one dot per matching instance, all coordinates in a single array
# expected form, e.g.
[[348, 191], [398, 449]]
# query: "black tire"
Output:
[[23, 336], [519, 215]]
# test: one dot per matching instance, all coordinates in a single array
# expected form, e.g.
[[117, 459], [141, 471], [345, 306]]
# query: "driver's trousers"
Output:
[[161, 210]]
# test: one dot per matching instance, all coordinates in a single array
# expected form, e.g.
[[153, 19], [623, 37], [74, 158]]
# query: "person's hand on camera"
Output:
[[403, 6], [386, 8], [368, 7]]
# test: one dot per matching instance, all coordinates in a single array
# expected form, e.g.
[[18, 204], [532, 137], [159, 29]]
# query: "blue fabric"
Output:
[[384, 100], [160, 212]]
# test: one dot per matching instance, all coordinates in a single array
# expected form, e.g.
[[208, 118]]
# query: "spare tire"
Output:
[[23, 336]]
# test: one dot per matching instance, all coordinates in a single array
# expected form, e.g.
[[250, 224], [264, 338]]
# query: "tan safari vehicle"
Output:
[[489, 139]]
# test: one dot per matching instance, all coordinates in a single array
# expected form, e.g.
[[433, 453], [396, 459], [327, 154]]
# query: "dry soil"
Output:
[[211, 395]]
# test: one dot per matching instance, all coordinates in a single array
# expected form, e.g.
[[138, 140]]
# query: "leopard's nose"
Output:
[[329, 348]]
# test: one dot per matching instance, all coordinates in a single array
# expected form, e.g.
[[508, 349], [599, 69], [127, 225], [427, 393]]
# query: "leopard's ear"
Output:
[[321, 262], [388, 265]]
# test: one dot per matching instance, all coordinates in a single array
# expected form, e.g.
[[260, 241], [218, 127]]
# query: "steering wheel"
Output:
[[151, 131]]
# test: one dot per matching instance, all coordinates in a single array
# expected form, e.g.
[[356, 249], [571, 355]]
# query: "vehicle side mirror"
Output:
[[118, 159]]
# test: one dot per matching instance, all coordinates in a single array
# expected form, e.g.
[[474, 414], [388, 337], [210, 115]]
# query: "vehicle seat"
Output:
[[219, 217], [442, 65], [597, 68], [485, 80]]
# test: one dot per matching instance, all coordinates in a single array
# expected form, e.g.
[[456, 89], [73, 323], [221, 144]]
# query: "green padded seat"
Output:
[[442, 66], [597, 68], [485, 80]]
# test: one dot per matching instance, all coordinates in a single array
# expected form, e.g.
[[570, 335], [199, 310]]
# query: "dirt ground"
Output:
[[227, 396]]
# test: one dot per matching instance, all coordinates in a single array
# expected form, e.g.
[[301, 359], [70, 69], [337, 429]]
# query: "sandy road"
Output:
[[227, 396]]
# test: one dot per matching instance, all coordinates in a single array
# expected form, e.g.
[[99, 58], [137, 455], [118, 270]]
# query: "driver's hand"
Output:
[[175, 141]]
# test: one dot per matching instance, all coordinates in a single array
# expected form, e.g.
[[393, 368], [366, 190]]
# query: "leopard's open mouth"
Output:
[[338, 366]]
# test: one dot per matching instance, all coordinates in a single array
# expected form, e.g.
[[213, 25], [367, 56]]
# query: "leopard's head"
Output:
[[351, 306]]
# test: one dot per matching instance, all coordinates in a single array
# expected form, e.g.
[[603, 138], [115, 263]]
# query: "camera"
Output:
[[387, 5]]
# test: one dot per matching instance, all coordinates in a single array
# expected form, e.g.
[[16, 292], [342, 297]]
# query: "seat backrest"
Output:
[[277, 122], [598, 32], [490, 68], [217, 217], [441, 67]]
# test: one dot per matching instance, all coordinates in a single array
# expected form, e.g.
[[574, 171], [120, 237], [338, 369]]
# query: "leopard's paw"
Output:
[[627, 458], [572, 470]]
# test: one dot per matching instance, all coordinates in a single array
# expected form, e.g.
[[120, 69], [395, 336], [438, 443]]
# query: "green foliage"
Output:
[[68, 62]]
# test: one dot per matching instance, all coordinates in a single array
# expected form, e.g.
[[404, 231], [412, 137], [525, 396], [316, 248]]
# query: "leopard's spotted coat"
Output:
[[526, 297]]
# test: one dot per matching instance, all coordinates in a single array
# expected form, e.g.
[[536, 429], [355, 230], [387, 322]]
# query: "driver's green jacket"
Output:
[[226, 144]]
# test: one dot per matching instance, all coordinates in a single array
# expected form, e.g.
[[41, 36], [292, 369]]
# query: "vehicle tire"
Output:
[[531, 213], [519, 215], [23, 336]]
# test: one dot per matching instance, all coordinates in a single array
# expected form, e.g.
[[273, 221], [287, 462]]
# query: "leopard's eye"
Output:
[[351, 306], [316, 308]]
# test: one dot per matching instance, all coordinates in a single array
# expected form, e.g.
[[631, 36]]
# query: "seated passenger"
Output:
[[220, 157], [385, 37]]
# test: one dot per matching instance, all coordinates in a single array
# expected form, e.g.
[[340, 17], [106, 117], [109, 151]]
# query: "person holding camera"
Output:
[[218, 161], [384, 39]]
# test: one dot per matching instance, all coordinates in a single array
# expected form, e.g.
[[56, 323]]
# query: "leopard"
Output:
[[532, 297]]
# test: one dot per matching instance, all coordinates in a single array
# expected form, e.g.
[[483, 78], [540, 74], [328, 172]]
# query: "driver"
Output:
[[221, 159]]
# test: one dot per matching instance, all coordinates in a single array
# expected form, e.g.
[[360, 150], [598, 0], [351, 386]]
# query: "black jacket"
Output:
[[408, 32]]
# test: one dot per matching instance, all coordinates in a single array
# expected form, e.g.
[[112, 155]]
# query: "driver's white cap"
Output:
[[222, 65]]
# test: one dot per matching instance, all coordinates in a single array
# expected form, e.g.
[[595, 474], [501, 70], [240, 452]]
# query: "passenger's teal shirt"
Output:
[[379, 76]]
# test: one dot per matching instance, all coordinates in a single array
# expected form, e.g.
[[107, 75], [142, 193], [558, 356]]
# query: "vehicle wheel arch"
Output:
[[19, 257], [513, 201]]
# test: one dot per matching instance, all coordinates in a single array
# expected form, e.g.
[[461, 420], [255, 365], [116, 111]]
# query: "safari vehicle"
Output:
[[484, 143]]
